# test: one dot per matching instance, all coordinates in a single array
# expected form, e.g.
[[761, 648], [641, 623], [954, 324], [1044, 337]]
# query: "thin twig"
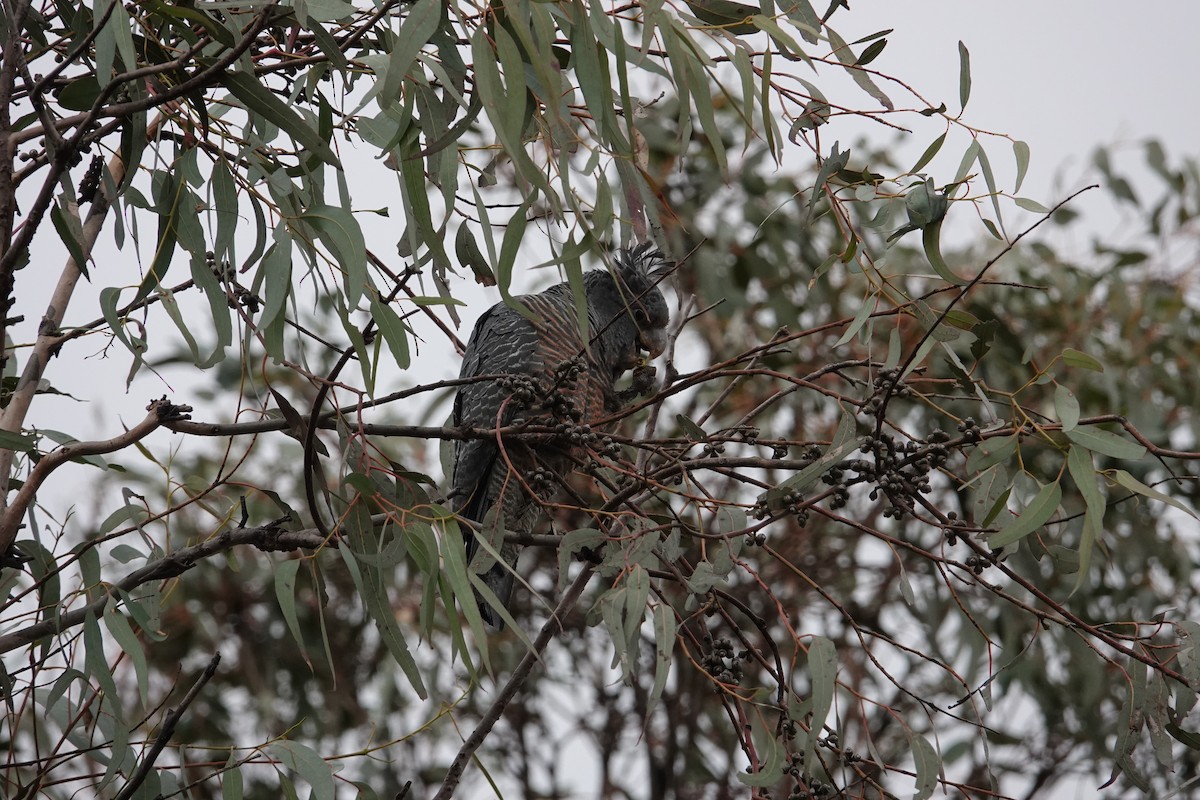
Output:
[[168, 730], [268, 538], [10, 522]]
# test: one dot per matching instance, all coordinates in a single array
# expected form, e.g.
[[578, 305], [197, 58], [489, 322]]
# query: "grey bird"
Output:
[[544, 375]]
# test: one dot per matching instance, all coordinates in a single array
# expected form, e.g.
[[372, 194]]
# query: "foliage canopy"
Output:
[[894, 520]]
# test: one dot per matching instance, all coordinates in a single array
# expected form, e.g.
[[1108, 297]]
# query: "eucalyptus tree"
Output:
[[890, 519]]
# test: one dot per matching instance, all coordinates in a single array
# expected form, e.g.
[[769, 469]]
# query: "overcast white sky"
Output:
[[1064, 76]]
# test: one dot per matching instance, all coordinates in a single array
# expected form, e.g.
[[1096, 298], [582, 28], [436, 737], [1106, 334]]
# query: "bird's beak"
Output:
[[653, 342]]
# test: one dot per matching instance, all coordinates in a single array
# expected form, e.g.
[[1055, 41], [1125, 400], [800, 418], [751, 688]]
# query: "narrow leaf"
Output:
[[664, 645], [394, 331], [1106, 443], [822, 668], [1035, 515], [285, 594], [929, 153], [418, 28], [1077, 358], [1131, 483], [964, 75], [931, 240], [260, 100], [1021, 154], [306, 763], [927, 764]]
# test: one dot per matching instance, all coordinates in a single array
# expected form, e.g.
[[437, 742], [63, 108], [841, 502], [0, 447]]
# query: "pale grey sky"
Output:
[[1065, 76]]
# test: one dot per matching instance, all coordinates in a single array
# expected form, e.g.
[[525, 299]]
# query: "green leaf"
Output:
[[324, 40], [1036, 514], [285, 593], [1187, 738], [725, 14], [1106, 443], [872, 52], [394, 331], [690, 429], [231, 779], [968, 158], [805, 18], [664, 645], [454, 560], [468, 252], [340, 232], [770, 756], [822, 670], [509, 245], [372, 583], [225, 208], [258, 99], [1076, 358], [417, 29], [171, 306], [931, 240], [122, 631], [1067, 407], [306, 763], [79, 94], [989, 178], [96, 667], [1021, 154], [928, 765], [20, 442], [964, 75], [1131, 483], [844, 442], [167, 190], [992, 451], [1031, 205], [65, 216], [637, 584], [1083, 472], [275, 272], [843, 53], [570, 544], [929, 153], [836, 161], [856, 324]]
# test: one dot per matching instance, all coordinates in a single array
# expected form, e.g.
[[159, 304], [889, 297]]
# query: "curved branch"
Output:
[[268, 538], [10, 522]]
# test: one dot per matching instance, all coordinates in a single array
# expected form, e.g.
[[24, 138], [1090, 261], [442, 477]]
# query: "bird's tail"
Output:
[[499, 577], [500, 580]]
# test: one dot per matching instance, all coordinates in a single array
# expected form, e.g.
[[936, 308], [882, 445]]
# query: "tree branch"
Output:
[[168, 730], [10, 521], [484, 727], [268, 538]]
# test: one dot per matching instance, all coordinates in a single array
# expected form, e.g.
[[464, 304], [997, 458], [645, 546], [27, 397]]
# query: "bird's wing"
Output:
[[503, 342]]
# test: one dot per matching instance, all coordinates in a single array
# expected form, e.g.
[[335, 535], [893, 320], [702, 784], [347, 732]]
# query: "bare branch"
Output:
[[168, 730]]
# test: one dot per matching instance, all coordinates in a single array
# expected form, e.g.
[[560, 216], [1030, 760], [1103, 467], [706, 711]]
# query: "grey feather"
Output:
[[627, 315]]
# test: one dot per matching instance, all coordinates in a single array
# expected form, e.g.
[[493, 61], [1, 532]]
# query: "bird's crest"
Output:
[[643, 264]]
